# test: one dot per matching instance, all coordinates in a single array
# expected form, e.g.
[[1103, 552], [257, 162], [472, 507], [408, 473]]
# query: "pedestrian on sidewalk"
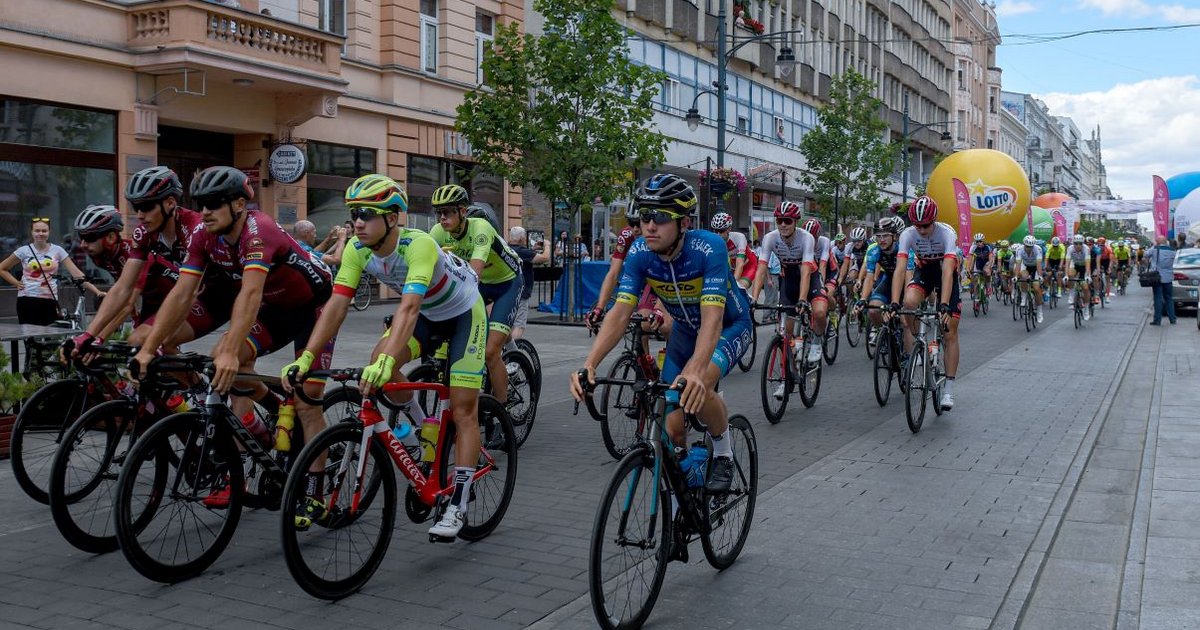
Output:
[[1162, 260]]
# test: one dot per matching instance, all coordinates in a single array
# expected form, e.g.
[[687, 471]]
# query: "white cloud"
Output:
[[1175, 13], [1009, 8], [1147, 128]]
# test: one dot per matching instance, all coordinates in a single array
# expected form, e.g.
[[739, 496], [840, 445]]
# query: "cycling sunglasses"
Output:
[[363, 214], [211, 203], [784, 221], [145, 206], [92, 238], [659, 217], [45, 220]]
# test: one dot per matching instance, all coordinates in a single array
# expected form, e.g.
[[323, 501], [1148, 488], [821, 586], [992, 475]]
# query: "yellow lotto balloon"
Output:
[[998, 190]]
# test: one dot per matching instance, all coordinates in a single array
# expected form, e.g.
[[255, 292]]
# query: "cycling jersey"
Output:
[[737, 248], [155, 281], [1106, 253], [1030, 256], [1078, 255], [1004, 255], [856, 254], [877, 258], [699, 275], [447, 285], [144, 242], [1056, 252], [799, 249], [479, 241], [294, 279], [624, 240], [1121, 253], [982, 254], [938, 246]]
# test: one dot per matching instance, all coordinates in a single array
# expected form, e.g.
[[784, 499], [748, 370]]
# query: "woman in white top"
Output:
[[37, 289]]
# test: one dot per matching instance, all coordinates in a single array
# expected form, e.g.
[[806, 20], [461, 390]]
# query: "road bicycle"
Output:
[[746, 361], [621, 420], [786, 363], [888, 361], [339, 552], [857, 324], [638, 529], [1027, 303], [979, 294], [1078, 305], [926, 369], [831, 340], [1053, 287]]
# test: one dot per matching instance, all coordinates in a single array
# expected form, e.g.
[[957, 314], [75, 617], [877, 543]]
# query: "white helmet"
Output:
[[721, 221], [979, 237], [1077, 239], [1056, 241], [1030, 241], [1015, 246], [858, 234], [631, 211]]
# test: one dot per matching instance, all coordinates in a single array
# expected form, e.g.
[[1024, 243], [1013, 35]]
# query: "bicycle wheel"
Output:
[[832, 338], [915, 392], [986, 299], [627, 557], [620, 421], [165, 529], [873, 333], [523, 393], [341, 405], [746, 362], [362, 296], [528, 348], [1078, 314], [84, 474], [491, 492], [809, 376], [37, 430], [937, 376], [775, 375], [855, 326], [339, 553], [731, 515], [883, 370], [1030, 312]]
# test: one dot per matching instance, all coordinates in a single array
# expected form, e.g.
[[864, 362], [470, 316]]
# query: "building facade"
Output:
[[1013, 137], [976, 94]]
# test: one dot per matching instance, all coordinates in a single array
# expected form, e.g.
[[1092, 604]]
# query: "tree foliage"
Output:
[[567, 112], [847, 155]]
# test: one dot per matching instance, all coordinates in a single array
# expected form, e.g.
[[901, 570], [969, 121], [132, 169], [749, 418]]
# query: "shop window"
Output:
[[331, 169], [429, 36], [46, 125], [332, 159]]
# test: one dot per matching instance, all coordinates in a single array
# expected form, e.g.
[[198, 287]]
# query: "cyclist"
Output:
[[853, 255], [742, 259], [439, 296], [980, 260], [1004, 259], [1121, 253], [660, 321], [277, 291], [880, 266], [99, 230], [1140, 254], [934, 246], [1106, 259], [689, 272], [157, 248], [472, 238], [799, 276], [1080, 271], [1055, 254], [1030, 259]]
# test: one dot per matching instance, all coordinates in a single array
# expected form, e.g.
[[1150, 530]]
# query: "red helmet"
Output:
[[788, 209], [812, 226], [923, 211]]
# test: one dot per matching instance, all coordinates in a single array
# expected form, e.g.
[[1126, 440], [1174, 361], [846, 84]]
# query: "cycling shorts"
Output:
[[734, 341], [1122, 264], [749, 271], [1006, 265], [504, 297], [275, 327], [882, 292], [1032, 272], [928, 278], [1080, 270], [790, 289], [208, 312], [1052, 264], [467, 336]]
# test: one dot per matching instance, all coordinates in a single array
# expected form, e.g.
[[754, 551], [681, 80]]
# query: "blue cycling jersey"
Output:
[[699, 275], [877, 257]]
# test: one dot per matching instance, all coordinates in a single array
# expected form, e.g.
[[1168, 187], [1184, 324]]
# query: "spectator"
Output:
[[305, 234], [1162, 260], [37, 290], [576, 250], [518, 240]]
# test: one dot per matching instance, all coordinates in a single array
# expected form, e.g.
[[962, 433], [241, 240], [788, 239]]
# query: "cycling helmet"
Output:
[[1056, 241], [923, 211], [451, 195], [1091, 239], [858, 234], [979, 237], [721, 221], [222, 182], [788, 209], [1002, 243], [1015, 247], [98, 220], [153, 184], [1077, 239], [841, 237], [665, 191], [379, 192], [889, 225], [812, 226], [1029, 241], [631, 212]]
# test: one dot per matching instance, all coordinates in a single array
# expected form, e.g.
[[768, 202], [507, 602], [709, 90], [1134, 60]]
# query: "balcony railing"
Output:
[[192, 23]]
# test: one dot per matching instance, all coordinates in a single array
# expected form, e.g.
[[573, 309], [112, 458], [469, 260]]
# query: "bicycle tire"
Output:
[[915, 390], [206, 466], [619, 431], [1016, 308], [985, 304], [855, 327], [937, 371], [81, 504], [37, 431], [722, 552], [499, 443], [809, 378], [340, 405], [362, 295], [311, 552], [831, 337], [776, 370], [883, 369], [1029, 313], [523, 394], [530, 350], [746, 361], [872, 347], [622, 507]]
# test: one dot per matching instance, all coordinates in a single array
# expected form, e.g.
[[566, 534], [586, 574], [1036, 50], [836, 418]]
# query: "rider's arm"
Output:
[[949, 269], [759, 277], [898, 277], [120, 295], [78, 275], [610, 333], [610, 281], [481, 243]]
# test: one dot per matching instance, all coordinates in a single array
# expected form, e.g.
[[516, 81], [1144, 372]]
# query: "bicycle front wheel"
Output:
[[829, 345], [915, 391], [776, 385], [631, 538], [746, 362], [492, 491], [730, 515], [855, 326], [84, 474], [179, 498], [883, 368], [523, 393], [339, 551], [37, 430], [620, 416], [809, 376]]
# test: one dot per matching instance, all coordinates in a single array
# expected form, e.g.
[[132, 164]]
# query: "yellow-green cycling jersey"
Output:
[[1121, 253], [1056, 252], [479, 241], [447, 285]]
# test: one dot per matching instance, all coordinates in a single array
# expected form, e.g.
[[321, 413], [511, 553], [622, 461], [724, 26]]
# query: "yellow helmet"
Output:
[[377, 191], [451, 195]]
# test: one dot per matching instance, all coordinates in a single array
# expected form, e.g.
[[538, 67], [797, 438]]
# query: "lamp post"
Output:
[[905, 134]]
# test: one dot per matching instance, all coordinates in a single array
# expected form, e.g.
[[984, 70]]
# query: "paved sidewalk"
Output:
[[924, 531]]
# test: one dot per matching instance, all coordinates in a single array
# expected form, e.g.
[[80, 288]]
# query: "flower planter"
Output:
[[6, 427]]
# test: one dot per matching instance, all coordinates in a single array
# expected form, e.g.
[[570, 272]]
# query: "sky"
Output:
[[1142, 89]]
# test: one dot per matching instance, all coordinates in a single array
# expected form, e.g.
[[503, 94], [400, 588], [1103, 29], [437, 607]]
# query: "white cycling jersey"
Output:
[[941, 243], [799, 249], [1029, 256], [1078, 254]]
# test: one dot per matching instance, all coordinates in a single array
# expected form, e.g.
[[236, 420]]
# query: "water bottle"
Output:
[[428, 439], [257, 428], [934, 347], [284, 423], [125, 388], [404, 432], [661, 358], [697, 464], [178, 404]]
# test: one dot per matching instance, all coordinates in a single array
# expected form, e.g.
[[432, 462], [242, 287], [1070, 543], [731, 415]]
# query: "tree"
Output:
[[848, 160], [567, 112]]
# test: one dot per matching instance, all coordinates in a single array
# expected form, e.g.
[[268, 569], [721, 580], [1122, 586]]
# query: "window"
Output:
[[484, 32], [780, 130], [670, 95], [429, 36], [332, 16], [743, 124], [331, 169]]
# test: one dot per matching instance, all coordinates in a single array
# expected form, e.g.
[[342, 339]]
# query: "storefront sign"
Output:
[[287, 163], [456, 144]]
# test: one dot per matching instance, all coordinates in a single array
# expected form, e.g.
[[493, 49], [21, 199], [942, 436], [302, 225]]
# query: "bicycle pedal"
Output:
[[434, 538]]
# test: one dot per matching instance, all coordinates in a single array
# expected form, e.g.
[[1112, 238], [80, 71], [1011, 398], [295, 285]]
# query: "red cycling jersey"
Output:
[[624, 240], [144, 242]]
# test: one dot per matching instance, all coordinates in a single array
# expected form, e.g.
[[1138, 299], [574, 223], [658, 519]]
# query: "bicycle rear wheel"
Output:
[[731, 515], [855, 327], [883, 369], [492, 492], [775, 375], [628, 552], [809, 376], [168, 524], [37, 430], [620, 416], [528, 348], [746, 362], [84, 474], [339, 552], [523, 393], [915, 392], [362, 296], [832, 338]]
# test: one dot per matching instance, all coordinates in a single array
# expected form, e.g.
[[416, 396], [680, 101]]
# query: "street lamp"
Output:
[[906, 133]]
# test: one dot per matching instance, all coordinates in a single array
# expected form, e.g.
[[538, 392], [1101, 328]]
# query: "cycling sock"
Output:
[[462, 486], [721, 445], [313, 485], [949, 385], [413, 409]]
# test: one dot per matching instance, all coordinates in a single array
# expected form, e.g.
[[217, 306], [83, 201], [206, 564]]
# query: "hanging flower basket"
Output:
[[722, 182]]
